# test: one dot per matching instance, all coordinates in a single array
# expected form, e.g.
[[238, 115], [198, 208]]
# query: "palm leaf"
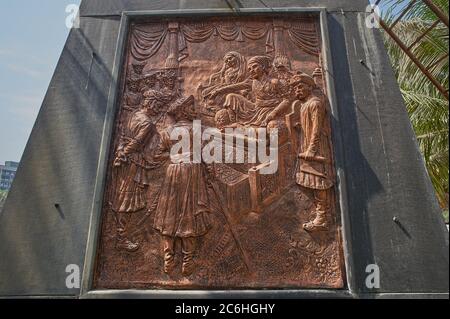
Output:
[[427, 108]]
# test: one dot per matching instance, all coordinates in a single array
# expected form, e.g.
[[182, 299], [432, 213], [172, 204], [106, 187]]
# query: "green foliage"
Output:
[[446, 215], [427, 107]]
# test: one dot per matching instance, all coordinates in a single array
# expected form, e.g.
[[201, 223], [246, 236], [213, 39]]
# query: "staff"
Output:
[[224, 211]]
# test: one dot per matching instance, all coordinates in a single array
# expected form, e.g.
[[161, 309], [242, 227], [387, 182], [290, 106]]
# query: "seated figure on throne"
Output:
[[234, 70], [269, 101]]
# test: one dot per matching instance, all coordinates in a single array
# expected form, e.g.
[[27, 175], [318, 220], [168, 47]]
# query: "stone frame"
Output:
[[95, 220]]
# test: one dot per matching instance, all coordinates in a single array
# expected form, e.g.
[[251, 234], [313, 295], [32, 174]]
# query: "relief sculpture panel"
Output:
[[249, 201]]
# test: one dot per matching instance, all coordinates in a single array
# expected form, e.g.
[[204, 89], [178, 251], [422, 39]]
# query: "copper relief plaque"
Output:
[[221, 170]]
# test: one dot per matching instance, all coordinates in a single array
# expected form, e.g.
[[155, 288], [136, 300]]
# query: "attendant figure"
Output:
[[131, 168], [282, 68], [183, 209], [315, 169]]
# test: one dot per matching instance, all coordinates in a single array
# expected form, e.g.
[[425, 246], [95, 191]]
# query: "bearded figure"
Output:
[[132, 165], [315, 169], [268, 101], [234, 70]]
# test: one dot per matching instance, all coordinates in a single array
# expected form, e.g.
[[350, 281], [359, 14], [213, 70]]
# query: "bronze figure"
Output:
[[131, 167], [315, 171], [183, 206], [234, 71]]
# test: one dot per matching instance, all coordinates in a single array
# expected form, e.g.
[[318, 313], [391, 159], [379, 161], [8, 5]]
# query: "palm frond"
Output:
[[427, 108]]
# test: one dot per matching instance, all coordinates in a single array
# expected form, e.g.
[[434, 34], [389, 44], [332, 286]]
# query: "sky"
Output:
[[32, 36]]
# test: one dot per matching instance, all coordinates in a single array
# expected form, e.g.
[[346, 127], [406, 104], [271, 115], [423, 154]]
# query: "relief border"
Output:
[[108, 128]]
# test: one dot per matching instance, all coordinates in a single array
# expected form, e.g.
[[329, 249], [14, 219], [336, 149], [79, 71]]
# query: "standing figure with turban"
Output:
[[315, 170], [132, 165], [183, 209]]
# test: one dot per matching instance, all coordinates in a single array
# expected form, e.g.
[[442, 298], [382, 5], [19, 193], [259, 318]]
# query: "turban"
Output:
[[302, 78], [264, 61]]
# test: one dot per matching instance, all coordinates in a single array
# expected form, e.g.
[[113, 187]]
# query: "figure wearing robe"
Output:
[[267, 103], [135, 157], [234, 70], [315, 170], [183, 208]]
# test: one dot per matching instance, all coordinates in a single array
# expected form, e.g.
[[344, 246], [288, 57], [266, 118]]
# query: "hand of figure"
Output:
[[209, 173], [268, 119], [274, 84]]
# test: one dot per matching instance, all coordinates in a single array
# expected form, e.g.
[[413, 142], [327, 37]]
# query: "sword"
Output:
[[224, 211], [319, 159], [307, 168]]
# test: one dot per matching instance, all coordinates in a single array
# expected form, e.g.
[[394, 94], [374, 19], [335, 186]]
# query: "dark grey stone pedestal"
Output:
[[53, 205]]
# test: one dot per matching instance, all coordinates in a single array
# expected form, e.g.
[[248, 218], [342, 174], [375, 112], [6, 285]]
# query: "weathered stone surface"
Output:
[[381, 172], [116, 7], [59, 166], [383, 165]]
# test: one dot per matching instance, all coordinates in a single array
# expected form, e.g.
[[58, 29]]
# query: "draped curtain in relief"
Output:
[[305, 37], [229, 31], [147, 39]]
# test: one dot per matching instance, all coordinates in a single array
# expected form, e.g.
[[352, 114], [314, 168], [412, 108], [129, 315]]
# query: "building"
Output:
[[7, 174]]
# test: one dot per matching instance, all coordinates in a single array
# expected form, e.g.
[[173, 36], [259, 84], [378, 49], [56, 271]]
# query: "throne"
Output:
[[246, 189]]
